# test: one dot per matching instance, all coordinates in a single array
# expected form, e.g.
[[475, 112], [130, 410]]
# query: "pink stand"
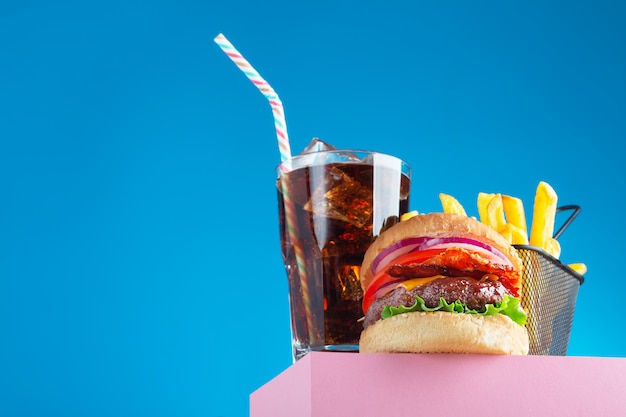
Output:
[[326, 384]]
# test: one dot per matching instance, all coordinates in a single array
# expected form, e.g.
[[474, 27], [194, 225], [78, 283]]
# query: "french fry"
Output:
[[495, 213], [544, 213], [579, 267], [514, 212], [483, 201], [408, 215], [514, 234], [507, 233], [553, 247], [451, 204]]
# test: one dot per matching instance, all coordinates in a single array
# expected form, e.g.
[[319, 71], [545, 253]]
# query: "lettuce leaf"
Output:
[[509, 307]]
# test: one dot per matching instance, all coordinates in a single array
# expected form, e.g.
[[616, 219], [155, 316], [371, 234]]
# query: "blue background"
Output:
[[140, 270]]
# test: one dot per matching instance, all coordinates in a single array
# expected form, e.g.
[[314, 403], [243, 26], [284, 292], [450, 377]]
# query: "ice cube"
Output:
[[317, 145], [349, 283], [343, 198]]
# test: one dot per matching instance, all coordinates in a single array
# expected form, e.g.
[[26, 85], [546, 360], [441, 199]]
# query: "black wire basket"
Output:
[[549, 293]]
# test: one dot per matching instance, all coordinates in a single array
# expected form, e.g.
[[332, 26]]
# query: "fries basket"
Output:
[[549, 294]]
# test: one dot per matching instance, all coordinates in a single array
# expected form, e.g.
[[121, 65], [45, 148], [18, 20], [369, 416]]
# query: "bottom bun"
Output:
[[443, 332]]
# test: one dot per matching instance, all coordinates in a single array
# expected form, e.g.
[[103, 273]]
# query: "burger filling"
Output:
[[451, 279]]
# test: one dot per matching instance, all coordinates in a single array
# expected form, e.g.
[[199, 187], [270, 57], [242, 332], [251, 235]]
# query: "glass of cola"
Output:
[[332, 204]]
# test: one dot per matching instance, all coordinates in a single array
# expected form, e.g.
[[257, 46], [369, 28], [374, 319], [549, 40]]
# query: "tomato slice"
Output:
[[382, 278], [370, 294]]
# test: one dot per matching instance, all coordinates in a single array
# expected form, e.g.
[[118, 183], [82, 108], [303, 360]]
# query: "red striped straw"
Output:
[[265, 88], [285, 154]]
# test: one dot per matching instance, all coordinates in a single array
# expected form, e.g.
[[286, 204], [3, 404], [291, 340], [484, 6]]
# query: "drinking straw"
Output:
[[285, 154], [266, 90]]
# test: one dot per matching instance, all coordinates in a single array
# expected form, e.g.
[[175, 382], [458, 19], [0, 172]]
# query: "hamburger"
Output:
[[442, 283]]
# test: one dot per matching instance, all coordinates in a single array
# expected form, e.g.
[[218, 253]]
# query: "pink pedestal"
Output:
[[324, 384]]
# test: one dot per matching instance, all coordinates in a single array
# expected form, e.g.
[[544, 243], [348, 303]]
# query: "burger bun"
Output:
[[444, 332]]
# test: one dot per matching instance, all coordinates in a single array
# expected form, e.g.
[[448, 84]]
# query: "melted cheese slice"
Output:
[[409, 284]]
